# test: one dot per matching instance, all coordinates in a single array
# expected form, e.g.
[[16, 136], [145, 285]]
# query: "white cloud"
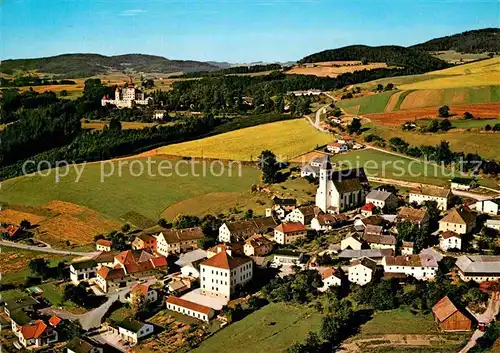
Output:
[[132, 12]]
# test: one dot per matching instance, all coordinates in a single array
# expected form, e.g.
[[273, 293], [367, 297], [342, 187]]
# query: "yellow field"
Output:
[[332, 68], [287, 139], [99, 125], [474, 67]]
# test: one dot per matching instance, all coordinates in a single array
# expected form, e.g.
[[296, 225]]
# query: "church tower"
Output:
[[323, 192]]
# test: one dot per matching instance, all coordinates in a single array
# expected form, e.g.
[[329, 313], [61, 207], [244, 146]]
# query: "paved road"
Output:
[[45, 250]]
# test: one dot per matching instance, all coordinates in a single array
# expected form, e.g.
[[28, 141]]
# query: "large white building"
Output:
[[381, 198], [342, 190], [222, 273], [127, 97], [478, 268], [421, 266], [361, 271], [491, 206], [431, 193]]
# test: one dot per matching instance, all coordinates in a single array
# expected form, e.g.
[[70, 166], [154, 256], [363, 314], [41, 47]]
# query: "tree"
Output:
[[25, 224], [248, 214], [63, 93], [115, 125], [162, 223], [269, 166], [444, 111], [69, 329], [125, 228], [185, 221], [445, 125], [380, 87], [137, 302], [389, 87], [355, 126], [433, 126], [39, 267], [468, 116], [364, 61], [487, 127]]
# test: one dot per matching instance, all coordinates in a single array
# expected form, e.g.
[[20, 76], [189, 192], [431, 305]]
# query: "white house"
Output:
[[460, 221], [491, 206], [478, 268], [413, 215], [407, 248], [361, 271], [337, 147], [132, 330], [330, 277], [462, 183], [241, 230], [82, 270], [144, 290], [342, 190], [36, 334], [381, 198], [289, 232], [198, 311], [352, 241], [421, 266], [159, 114], [103, 245], [289, 258], [450, 240], [493, 224], [190, 262], [176, 241], [431, 193], [303, 215], [223, 273], [257, 245], [327, 221], [380, 241], [368, 209]]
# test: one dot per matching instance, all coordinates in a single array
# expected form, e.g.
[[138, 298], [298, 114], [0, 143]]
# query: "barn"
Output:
[[449, 317]]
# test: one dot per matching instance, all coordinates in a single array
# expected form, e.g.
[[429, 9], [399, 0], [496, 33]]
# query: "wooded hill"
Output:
[[476, 41], [414, 61], [85, 65]]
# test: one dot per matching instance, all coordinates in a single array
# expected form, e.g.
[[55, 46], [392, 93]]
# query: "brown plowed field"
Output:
[[489, 110]]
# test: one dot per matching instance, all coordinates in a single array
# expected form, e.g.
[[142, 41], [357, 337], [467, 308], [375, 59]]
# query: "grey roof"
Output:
[[432, 252], [192, 256], [15, 304], [479, 264], [378, 195], [88, 263], [131, 324], [370, 253], [310, 169], [365, 261]]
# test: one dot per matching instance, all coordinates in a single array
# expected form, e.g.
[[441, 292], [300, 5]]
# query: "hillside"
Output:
[[85, 65], [475, 41], [412, 60]]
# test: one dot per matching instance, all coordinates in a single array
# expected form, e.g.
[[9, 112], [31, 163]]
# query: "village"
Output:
[[381, 237]]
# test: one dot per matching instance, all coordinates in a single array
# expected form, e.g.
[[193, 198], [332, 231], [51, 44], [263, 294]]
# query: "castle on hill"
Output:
[[127, 97]]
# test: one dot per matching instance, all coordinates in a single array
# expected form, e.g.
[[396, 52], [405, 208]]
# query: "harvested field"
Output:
[[420, 99], [126, 125], [12, 216], [393, 102], [488, 110], [332, 68]]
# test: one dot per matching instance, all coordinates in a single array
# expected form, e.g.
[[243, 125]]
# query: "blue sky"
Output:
[[228, 30]]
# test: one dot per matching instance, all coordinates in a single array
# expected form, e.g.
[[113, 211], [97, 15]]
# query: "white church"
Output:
[[127, 97], [340, 190]]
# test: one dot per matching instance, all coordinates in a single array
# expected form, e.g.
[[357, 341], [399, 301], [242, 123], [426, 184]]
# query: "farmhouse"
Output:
[[450, 240], [281, 207], [241, 230], [491, 206], [361, 271], [105, 258], [144, 241], [449, 317], [145, 291], [407, 248], [353, 241], [430, 193], [478, 268], [382, 199], [127, 97], [309, 170], [413, 215], [27, 304], [82, 270], [303, 215], [421, 266], [190, 263], [257, 245], [336, 147], [330, 277], [132, 330], [289, 258], [83, 345], [380, 241], [112, 278], [224, 273], [103, 245], [200, 312], [339, 191], [176, 241], [327, 221], [462, 183], [289, 232], [460, 221]]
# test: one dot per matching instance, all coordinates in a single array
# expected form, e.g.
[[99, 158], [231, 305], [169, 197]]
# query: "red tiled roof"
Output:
[[34, 330], [139, 267], [160, 261], [134, 256], [328, 273], [368, 207], [189, 305], [448, 234], [11, 230], [290, 227], [107, 273], [142, 288], [225, 261], [54, 321], [104, 242]]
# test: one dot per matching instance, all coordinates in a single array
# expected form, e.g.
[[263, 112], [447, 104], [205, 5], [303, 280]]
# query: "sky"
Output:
[[229, 30]]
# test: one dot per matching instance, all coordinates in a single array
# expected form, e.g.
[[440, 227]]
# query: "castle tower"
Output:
[[323, 192]]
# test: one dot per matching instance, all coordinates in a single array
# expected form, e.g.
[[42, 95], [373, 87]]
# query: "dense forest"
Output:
[[476, 41], [232, 70], [85, 65], [33, 81], [415, 62]]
